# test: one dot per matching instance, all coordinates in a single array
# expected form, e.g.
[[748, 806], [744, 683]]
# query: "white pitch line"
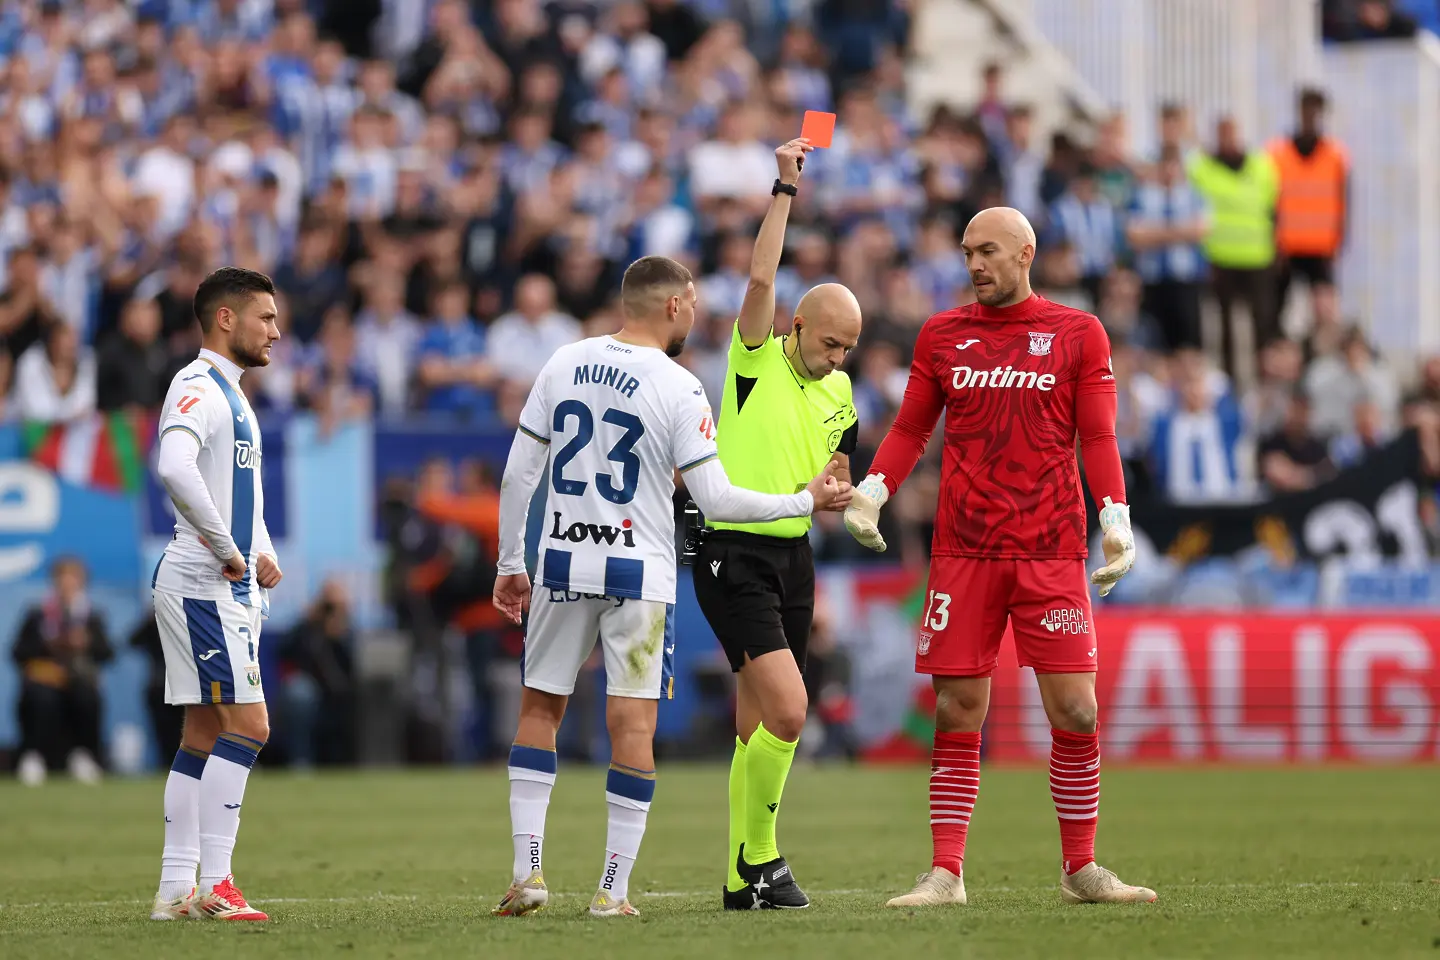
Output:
[[411, 898]]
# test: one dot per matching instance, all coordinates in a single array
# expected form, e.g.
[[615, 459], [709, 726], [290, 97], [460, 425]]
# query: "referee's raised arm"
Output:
[[786, 414], [757, 313]]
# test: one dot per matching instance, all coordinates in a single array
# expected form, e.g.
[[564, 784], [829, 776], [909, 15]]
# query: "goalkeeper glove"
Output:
[[862, 517], [1118, 542]]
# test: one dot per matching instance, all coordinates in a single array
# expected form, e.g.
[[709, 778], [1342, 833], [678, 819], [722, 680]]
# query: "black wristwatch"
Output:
[[782, 187]]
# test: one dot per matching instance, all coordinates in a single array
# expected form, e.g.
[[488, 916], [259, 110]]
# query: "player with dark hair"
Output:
[[607, 425], [212, 593], [1017, 377]]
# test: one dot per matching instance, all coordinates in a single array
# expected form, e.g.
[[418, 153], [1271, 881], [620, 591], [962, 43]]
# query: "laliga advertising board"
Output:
[[1177, 688]]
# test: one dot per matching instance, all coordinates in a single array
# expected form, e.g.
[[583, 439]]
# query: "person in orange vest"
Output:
[[1311, 213]]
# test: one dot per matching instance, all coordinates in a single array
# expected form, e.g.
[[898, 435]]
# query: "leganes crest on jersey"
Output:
[[209, 406], [619, 419]]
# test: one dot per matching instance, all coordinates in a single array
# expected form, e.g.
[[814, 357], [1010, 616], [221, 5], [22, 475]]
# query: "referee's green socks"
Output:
[[767, 764], [737, 815]]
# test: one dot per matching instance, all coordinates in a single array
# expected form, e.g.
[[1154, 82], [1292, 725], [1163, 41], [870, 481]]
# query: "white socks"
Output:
[[622, 843], [628, 793], [222, 791], [181, 854], [532, 777]]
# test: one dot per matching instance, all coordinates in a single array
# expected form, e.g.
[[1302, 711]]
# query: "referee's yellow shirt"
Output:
[[777, 431]]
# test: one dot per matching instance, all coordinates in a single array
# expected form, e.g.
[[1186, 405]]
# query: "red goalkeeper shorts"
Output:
[[969, 600]]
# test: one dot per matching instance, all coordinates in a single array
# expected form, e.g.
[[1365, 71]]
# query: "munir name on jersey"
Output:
[[602, 374]]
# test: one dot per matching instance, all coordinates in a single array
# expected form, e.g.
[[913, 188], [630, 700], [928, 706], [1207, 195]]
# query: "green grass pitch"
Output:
[[1340, 862]]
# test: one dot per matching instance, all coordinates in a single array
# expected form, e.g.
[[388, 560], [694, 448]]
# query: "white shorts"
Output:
[[638, 637], [210, 650]]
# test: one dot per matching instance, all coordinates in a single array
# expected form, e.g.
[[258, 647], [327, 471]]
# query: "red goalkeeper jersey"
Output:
[[1016, 384]]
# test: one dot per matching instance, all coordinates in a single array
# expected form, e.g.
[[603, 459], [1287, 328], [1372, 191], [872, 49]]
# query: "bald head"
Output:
[[829, 303], [1006, 222], [827, 327], [999, 247]]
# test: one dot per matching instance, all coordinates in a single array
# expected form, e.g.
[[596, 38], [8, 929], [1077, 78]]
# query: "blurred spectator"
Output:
[[1270, 401], [721, 292], [990, 110], [67, 277], [386, 337], [166, 719], [1114, 175], [734, 165], [521, 341], [1167, 222], [25, 312], [1366, 434], [59, 649], [338, 388], [1196, 445], [453, 370], [1121, 312], [939, 265], [312, 282], [1337, 383], [675, 24], [1311, 214], [1240, 188], [1084, 219], [131, 365], [1353, 20], [470, 514], [1140, 398], [317, 690], [1024, 167], [1175, 133], [658, 226], [1292, 457], [55, 380], [810, 266], [629, 47]]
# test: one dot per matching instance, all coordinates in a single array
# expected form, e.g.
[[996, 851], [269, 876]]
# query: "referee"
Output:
[[786, 411]]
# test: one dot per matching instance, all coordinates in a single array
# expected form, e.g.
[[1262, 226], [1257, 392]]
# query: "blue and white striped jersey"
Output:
[[206, 402], [619, 420]]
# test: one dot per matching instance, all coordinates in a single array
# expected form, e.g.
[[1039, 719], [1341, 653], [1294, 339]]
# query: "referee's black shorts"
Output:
[[757, 592]]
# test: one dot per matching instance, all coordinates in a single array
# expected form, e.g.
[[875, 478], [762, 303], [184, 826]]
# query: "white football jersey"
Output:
[[208, 404], [619, 420]]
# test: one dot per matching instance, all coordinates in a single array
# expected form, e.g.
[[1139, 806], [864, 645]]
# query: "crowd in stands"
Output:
[[445, 192]]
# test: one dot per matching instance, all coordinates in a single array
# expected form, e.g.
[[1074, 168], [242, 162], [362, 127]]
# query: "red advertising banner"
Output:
[[1245, 688]]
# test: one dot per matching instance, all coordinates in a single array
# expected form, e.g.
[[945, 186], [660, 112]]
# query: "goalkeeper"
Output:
[[1018, 379]]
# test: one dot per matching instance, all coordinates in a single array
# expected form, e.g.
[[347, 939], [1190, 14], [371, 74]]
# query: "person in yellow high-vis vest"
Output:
[[1240, 189], [1311, 216]]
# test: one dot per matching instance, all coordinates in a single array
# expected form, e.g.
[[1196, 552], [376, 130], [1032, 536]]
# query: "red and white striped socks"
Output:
[[954, 785], [1075, 788]]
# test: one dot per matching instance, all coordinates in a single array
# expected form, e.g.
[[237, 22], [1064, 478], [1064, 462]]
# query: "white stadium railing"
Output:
[[1387, 112], [1247, 58]]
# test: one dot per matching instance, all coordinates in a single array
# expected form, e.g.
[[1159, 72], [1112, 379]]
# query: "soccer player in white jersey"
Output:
[[211, 592], [606, 426]]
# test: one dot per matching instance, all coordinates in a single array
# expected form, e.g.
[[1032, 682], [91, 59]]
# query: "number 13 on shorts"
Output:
[[934, 619], [937, 611]]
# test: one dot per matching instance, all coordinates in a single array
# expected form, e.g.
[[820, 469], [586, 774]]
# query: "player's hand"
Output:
[[827, 492], [790, 157], [234, 569], [1118, 542], [267, 571], [512, 596], [862, 518]]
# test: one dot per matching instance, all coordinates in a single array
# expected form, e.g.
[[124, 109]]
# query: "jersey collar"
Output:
[[232, 370], [1016, 311]]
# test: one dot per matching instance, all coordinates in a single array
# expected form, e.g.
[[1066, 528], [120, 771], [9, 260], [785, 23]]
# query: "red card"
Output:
[[818, 128]]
